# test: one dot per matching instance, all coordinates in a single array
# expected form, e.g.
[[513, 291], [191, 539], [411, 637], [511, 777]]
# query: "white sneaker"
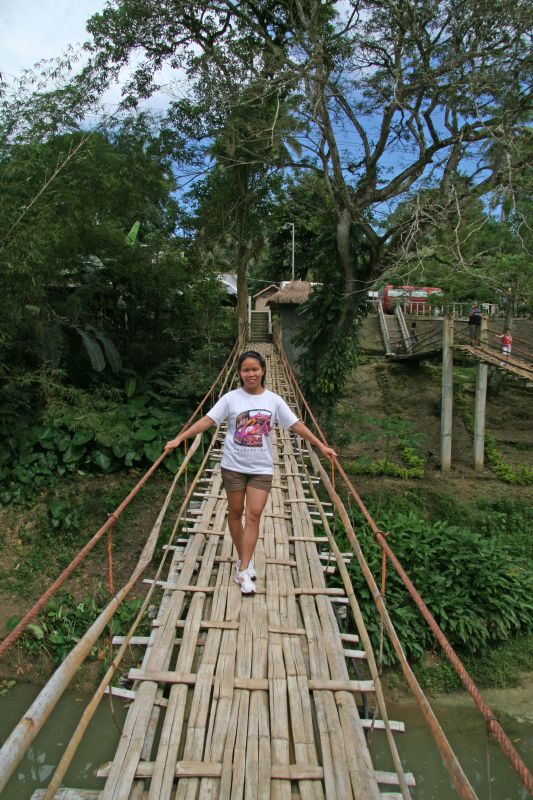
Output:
[[250, 570], [245, 582]]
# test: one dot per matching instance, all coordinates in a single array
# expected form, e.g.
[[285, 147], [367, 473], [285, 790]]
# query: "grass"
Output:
[[500, 667], [39, 542]]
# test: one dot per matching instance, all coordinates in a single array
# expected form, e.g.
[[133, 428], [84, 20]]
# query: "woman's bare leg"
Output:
[[255, 503], [235, 511]]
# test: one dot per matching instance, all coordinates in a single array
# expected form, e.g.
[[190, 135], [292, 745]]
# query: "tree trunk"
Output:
[[242, 282], [344, 223]]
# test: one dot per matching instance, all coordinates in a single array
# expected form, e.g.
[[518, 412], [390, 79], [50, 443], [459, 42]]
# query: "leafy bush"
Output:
[[474, 589], [521, 475], [88, 432], [65, 621], [394, 436]]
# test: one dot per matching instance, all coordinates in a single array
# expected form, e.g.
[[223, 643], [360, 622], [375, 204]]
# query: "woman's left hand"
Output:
[[329, 452]]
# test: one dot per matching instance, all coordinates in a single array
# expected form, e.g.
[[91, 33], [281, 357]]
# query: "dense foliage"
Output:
[[470, 578], [65, 620], [107, 311]]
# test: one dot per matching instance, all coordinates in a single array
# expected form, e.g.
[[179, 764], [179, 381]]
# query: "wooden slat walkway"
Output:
[[248, 697], [511, 364]]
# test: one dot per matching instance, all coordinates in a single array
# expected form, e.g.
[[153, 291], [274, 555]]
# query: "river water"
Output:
[[488, 770]]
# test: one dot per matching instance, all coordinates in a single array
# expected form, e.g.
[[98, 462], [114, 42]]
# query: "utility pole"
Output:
[[446, 395], [291, 225], [481, 402]]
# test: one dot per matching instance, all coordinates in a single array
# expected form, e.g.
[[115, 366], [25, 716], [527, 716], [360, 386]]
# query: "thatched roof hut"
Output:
[[261, 298], [292, 293]]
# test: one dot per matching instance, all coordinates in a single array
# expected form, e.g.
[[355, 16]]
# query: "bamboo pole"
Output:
[[24, 733], [363, 633], [461, 782]]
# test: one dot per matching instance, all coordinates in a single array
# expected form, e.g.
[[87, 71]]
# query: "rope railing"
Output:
[[24, 733], [493, 724], [19, 629], [488, 349]]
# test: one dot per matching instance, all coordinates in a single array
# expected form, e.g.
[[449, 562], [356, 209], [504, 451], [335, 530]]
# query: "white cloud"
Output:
[[31, 30]]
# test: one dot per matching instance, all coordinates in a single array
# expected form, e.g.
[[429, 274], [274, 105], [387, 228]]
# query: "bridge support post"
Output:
[[480, 406], [446, 416]]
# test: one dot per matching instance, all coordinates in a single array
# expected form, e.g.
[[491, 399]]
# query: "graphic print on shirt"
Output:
[[251, 426]]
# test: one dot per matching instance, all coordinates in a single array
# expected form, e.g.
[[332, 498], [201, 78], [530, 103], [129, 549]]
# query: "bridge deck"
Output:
[[255, 700], [489, 355]]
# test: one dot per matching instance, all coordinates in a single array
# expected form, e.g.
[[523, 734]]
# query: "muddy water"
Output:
[[488, 771], [486, 768], [36, 770]]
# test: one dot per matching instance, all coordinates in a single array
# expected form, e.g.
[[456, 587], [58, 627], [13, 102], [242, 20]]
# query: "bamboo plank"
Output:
[[379, 725], [336, 776], [278, 701], [137, 723], [350, 637], [206, 769], [390, 778], [223, 722], [172, 587], [315, 539], [167, 755], [201, 701], [243, 668], [287, 631], [359, 654], [359, 761]]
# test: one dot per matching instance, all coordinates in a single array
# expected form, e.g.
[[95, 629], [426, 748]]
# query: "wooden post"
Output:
[[481, 401], [446, 395]]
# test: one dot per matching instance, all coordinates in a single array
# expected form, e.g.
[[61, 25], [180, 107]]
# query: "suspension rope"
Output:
[[492, 723], [113, 518]]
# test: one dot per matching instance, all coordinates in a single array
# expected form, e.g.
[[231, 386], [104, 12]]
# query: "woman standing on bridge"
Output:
[[247, 462]]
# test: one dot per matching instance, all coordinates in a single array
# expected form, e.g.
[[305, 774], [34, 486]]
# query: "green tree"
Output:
[[71, 281], [395, 96]]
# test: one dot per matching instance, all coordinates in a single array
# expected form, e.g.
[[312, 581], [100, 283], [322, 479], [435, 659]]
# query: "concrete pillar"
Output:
[[481, 402], [446, 415]]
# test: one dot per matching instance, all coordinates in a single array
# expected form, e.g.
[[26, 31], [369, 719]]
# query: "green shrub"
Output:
[[60, 627], [473, 587], [395, 438], [88, 432]]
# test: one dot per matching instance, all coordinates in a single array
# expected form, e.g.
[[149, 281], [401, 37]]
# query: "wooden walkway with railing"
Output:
[[250, 697]]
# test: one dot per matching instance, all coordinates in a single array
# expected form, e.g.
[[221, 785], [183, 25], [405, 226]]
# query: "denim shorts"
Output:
[[237, 481]]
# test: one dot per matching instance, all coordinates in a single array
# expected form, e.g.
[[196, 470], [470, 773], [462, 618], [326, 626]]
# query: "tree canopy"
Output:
[[412, 116]]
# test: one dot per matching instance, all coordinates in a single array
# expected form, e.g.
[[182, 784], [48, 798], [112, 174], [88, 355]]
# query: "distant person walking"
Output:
[[474, 324], [507, 343], [413, 335]]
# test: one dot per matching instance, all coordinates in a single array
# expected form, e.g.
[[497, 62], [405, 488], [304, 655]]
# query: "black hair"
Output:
[[258, 357]]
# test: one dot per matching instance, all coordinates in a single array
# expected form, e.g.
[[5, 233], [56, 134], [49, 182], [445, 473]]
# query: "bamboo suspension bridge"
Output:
[[264, 696]]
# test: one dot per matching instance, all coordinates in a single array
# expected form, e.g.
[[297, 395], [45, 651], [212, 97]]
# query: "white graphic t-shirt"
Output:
[[248, 445]]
